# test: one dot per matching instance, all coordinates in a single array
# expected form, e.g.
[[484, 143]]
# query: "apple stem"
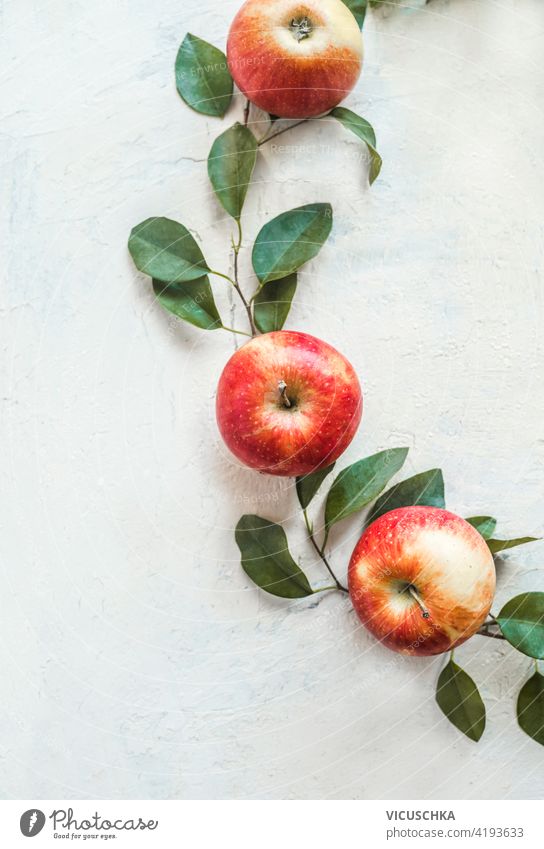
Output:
[[282, 386], [413, 592], [321, 553], [301, 29]]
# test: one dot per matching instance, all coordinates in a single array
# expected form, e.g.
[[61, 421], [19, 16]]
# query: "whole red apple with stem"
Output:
[[288, 403], [421, 580], [295, 59]]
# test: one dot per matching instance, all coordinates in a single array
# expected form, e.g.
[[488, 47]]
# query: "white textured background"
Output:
[[136, 659]]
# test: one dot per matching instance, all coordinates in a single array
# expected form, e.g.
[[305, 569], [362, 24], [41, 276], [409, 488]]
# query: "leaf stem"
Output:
[[247, 107], [321, 552], [224, 276], [279, 132], [256, 292], [239, 244], [323, 589], [485, 632], [233, 330]]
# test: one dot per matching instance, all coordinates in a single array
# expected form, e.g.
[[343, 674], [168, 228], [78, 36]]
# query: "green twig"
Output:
[[247, 306], [321, 552]]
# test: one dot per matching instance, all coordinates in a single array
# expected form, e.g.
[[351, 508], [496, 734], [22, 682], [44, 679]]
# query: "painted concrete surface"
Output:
[[136, 659]]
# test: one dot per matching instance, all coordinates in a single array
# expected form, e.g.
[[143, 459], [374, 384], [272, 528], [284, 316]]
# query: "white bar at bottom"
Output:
[[272, 824]]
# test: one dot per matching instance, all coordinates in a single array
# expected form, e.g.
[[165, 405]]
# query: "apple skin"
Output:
[[446, 561], [293, 78], [325, 396]]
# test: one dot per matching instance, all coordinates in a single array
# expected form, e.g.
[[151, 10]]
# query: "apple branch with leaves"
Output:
[[267, 561], [168, 252]]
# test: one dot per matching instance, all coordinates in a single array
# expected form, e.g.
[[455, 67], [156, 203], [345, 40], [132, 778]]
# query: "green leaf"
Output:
[[485, 525], [426, 488], [363, 130], [290, 240], [357, 9], [458, 698], [530, 708], [273, 302], [202, 76], [361, 483], [166, 251], [266, 558], [522, 622], [497, 545], [308, 485], [230, 165], [193, 302]]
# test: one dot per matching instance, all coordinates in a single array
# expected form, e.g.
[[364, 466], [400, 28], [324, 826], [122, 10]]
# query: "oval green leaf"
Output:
[[266, 558], [166, 251], [230, 165], [361, 483], [357, 9], [364, 131], [530, 708], [522, 622], [498, 545], [273, 302], [485, 525], [290, 240], [203, 79], [458, 698], [193, 302], [426, 488], [308, 485]]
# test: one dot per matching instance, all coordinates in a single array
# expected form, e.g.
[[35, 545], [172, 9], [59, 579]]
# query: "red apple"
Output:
[[295, 59], [422, 580], [288, 403]]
